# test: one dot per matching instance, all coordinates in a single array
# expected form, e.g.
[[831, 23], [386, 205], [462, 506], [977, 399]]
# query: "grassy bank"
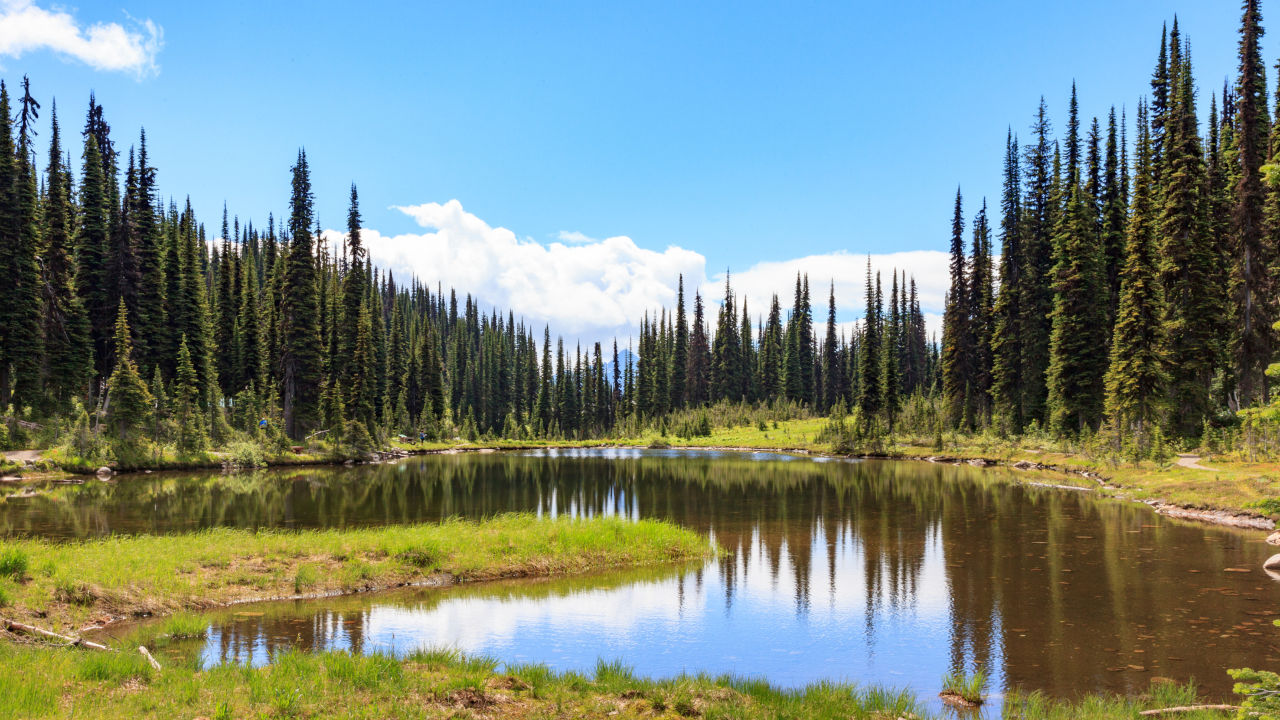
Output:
[[66, 585], [1215, 483], [1218, 483], [442, 683]]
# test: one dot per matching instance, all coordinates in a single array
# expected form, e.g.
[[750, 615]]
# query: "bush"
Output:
[[246, 454], [357, 437], [1261, 690]]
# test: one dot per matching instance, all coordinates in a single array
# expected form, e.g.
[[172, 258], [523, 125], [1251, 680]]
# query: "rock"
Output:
[[1274, 538], [105, 471], [1272, 563]]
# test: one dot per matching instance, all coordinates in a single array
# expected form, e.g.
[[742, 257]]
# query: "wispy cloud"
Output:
[[594, 289], [573, 237], [25, 27]]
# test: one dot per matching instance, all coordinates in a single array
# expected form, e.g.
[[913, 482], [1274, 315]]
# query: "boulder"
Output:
[[1272, 563], [1274, 538], [105, 471]]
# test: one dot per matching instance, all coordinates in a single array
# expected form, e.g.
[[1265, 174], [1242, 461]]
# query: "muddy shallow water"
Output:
[[884, 572]]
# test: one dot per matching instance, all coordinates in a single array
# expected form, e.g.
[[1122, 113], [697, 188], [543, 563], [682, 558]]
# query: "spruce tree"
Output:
[[129, 402], [186, 403], [21, 319], [680, 353], [832, 371], [354, 290], [150, 326], [299, 336], [1006, 332], [1136, 377], [92, 248], [957, 334], [1254, 236], [772, 381], [726, 352], [1076, 367], [698, 373], [68, 363], [869, 385], [1186, 261], [889, 370], [1113, 201], [1035, 304]]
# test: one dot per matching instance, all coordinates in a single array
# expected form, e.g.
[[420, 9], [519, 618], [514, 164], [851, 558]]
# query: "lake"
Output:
[[876, 571]]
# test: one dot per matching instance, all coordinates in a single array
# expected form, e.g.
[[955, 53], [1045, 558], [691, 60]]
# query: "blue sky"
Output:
[[743, 132]]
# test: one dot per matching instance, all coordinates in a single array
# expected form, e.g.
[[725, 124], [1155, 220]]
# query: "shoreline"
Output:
[[92, 584], [1239, 518]]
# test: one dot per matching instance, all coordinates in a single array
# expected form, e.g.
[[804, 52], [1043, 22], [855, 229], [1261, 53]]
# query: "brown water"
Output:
[[884, 572]]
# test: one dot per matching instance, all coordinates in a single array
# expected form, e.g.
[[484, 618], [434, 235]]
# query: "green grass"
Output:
[[969, 687], [126, 576], [444, 683], [14, 563], [184, 625]]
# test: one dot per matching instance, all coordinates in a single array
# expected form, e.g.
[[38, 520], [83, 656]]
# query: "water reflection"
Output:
[[884, 572]]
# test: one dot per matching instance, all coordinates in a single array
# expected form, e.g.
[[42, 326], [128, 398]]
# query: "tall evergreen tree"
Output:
[[981, 302], [698, 373], [1035, 304], [957, 335], [1254, 237], [1076, 367], [869, 385], [22, 357], [67, 361], [832, 369], [1136, 377], [680, 354], [299, 336], [1006, 333], [1187, 259]]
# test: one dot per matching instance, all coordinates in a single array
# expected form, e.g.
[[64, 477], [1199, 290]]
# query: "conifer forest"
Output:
[[917, 450], [1122, 284]]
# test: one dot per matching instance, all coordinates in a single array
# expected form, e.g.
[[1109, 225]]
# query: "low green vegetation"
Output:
[[65, 585], [444, 683], [965, 686]]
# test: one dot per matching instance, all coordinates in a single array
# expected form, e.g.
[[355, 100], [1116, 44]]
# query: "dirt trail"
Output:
[[21, 456], [1191, 462]]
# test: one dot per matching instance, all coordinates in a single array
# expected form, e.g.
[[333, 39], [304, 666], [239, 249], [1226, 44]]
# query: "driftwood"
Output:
[[1189, 708], [147, 654], [18, 627]]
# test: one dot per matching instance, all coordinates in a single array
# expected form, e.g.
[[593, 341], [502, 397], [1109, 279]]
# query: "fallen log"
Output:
[[1189, 708], [147, 654], [17, 627]]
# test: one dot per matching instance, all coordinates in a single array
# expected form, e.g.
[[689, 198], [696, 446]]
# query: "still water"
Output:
[[884, 572]]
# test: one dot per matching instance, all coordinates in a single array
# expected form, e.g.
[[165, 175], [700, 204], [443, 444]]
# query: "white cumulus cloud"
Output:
[[848, 271], [595, 289], [25, 27], [591, 289]]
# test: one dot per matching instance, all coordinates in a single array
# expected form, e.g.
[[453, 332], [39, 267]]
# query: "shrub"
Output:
[[246, 454], [1261, 690]]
